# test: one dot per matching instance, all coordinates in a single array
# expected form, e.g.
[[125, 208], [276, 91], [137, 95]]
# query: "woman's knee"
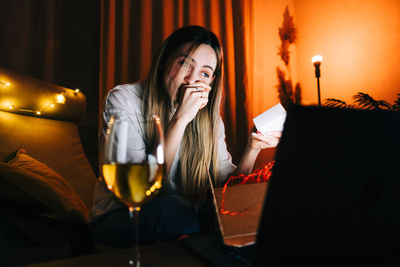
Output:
[[167, 217], [170, 216]]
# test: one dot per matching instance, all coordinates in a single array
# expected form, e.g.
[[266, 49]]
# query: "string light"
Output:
[[4, 84], [50, 106], [60, 98]]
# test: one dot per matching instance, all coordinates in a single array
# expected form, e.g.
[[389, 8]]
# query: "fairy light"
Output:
[[6, 102], [11, 107], [4, 84], [259, 175], [60, 98], [48, 107]]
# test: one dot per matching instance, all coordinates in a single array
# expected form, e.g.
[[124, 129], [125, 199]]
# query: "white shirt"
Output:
[[127, 99]]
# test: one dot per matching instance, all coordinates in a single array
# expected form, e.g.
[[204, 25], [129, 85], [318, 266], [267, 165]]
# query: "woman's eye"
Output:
[[205, 75]]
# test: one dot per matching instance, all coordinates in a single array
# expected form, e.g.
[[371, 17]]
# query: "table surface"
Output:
[[165, 254]]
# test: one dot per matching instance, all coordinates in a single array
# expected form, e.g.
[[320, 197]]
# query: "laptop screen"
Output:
[[334, 195]]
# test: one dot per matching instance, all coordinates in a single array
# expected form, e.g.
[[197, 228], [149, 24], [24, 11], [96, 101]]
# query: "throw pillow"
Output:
[[33, 184]]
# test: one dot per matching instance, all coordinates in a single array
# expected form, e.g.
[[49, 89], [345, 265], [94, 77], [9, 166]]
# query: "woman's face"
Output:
[[183, 70]]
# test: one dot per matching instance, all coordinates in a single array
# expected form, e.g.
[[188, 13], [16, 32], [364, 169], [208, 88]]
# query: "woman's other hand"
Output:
[[258, 141]]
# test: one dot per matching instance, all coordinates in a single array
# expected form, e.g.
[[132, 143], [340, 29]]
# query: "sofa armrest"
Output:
[[38, 226]]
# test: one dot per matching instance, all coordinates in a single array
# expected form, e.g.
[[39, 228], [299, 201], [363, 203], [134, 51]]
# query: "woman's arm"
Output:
[[188, 107], [173, 136], [255, 144]]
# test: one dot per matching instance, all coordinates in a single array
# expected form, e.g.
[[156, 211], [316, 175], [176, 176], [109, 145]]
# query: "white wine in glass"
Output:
[[134, 179]]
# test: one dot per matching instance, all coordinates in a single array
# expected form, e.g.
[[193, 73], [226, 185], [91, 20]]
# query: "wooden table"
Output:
[[168, 254]]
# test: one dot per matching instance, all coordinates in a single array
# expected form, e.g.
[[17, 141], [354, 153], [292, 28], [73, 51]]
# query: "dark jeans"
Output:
[[166, 217]]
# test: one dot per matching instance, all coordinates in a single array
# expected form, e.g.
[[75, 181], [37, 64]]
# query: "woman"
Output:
[[184, 88]]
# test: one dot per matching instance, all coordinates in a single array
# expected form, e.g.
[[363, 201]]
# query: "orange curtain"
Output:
[[132, 31]]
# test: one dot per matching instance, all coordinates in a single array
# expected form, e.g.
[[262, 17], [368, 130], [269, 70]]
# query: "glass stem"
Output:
[[134, 216]]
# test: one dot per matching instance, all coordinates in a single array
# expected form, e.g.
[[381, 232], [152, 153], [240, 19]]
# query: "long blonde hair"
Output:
[[198, 151]]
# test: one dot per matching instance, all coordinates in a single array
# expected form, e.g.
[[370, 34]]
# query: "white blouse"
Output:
[[127, 99]]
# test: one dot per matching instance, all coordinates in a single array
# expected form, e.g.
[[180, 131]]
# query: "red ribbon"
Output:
[[257, 176]]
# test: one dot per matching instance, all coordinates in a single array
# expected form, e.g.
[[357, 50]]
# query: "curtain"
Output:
[[132, 31], [28, 37]]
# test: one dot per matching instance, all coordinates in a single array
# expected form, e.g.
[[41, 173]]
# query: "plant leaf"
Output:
[[396, 105], [288, 31], [285, 88], [297, 94], [366, 101], [336, 103]]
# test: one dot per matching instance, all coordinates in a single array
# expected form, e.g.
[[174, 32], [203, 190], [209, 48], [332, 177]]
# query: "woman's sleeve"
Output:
[[225, 166], [120, 100]]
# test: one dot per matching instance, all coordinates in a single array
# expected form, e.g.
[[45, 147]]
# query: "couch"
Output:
[[46, 181]]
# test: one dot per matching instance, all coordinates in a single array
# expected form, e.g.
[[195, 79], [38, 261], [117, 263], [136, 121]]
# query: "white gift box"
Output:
[[271, 120]]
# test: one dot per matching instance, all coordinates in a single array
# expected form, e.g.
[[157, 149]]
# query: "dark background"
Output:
[[56, 41]]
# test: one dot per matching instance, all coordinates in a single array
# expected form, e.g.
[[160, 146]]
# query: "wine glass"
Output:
[[133, 178]]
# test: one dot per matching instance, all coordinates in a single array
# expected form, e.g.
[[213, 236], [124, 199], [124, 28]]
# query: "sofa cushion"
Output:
[[31, 184], [53, 142]]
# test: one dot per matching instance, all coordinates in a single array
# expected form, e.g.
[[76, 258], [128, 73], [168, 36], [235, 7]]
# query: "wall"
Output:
[[359, 42], [266, 18], [58, 42], [358, 39]]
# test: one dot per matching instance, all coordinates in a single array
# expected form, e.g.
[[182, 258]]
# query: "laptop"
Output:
[[334, 194]]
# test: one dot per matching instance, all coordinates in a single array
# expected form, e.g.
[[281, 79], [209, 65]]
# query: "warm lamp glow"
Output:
[[76, 90], [5, 84], [317, 59], [60, 98], [38, 112]]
